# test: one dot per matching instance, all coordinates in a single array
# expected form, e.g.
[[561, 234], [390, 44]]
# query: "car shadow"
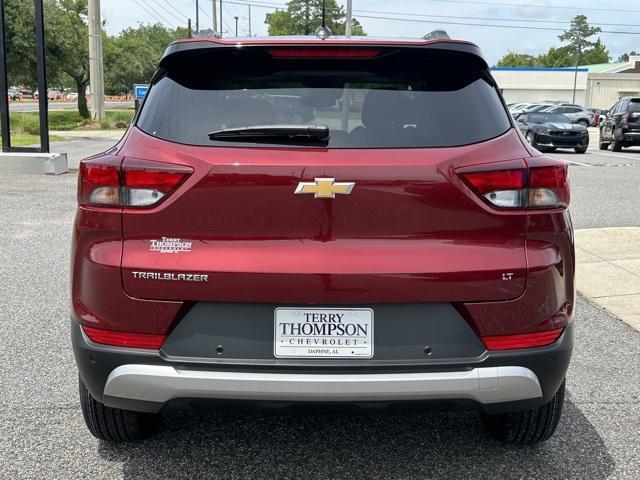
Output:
[[236, 444]]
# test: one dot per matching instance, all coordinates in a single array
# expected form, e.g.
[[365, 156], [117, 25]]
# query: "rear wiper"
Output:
[[274, 133]]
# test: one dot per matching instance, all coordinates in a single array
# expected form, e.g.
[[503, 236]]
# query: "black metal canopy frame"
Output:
[[42, 84]]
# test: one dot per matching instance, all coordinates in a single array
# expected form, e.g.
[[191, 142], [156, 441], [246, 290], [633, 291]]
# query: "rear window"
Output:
[[403, 99], [634, 105]]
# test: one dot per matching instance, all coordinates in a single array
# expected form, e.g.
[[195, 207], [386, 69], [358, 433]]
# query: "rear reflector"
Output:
[[324, 52], [522, 340], [124, 339], [532, 188]]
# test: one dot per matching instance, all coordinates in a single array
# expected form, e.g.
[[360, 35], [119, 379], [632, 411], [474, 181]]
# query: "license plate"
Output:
[[323, 333]]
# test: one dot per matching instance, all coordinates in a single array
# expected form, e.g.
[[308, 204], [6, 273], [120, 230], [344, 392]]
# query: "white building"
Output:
[[597, 86], [537, 85]]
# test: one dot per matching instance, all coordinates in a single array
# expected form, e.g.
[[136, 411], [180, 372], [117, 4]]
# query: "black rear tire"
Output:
[[617, 146], [114, 424], [528, 427], [581, 149]]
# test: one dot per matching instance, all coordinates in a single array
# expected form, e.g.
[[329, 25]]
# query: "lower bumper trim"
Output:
[[160, 384]]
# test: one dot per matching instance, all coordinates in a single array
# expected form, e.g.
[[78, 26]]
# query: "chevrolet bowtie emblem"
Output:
[[325, 188]]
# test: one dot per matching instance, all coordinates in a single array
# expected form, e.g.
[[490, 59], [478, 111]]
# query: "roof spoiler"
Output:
[[437, 34]]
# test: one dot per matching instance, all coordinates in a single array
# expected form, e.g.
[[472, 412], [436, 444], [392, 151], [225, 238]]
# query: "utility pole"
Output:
[[347, 29], [249, 19], [220, 19], [214, 16], [575, 75], [197, 18], [96, 68], [236, 18]]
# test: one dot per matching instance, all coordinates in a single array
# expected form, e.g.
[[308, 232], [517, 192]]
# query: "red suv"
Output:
[[415, 251]]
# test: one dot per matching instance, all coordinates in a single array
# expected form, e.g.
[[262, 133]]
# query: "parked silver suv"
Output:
[[574, 113]]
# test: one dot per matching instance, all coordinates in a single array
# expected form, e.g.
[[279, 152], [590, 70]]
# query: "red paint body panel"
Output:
[[411, 231], [410, 227], [259, 243]]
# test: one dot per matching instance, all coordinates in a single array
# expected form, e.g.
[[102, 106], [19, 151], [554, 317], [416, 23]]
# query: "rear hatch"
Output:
[[633, 115], [400, 122]]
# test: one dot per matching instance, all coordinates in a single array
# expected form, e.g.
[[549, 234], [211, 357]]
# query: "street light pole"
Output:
[[349, 15], [575, 75], [214, 16], [197, 18], [220, 19], [96, 72], [236, 18]]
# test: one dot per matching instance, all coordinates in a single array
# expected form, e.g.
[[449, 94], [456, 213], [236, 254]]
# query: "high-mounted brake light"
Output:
[[124, 339], [137, 183], [531, 188], [324, 52], [522, 340]]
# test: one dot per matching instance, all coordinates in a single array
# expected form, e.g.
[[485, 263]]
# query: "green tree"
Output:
[[556, 58], [578, 36], [67, 45], [597, 54], [513, 59], [580, 49], [625, 56], [303, 17], [20, 41], [133, 55]]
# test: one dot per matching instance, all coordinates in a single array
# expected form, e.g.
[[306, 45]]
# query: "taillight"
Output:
[[146, 183], [531, 188], [137, 183], [124, 339], [324, 52], [625, 117], [522, 340]]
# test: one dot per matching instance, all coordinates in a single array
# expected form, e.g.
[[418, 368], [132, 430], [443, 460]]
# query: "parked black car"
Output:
[[621, 126], [548, 131]]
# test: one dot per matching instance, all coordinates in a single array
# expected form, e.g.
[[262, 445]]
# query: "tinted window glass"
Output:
[[366, 103], [634, 106]]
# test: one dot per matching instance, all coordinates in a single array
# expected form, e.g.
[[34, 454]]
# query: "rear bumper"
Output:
[[145, 380], [161, 384], [631, 138]]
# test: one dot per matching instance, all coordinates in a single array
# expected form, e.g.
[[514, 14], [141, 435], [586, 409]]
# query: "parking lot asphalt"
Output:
[[604, 186], [43, 434]]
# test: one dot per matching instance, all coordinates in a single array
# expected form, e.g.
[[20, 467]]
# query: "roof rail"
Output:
[[436, 34]]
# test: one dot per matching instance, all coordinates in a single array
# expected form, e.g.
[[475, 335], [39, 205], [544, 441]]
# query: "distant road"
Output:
[[53, 106]]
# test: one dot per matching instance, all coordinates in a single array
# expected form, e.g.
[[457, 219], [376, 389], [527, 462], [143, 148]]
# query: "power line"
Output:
[[519, 27], [179, 12], [205, 13], [173, 15], [264, 4], [559, 22], [519, 5], [147, 9], [157, 14]]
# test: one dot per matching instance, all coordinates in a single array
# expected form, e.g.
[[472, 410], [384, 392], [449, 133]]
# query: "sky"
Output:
[[433, 14]]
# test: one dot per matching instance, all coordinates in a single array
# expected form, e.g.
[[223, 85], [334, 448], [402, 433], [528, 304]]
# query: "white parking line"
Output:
[[615, 155], [578, 163]]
